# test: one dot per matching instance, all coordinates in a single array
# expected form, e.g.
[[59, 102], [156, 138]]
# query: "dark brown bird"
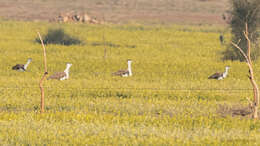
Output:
[[22, 67], [221, 39]]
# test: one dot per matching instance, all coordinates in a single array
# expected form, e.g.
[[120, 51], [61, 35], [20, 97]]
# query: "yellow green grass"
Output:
[[168, 100]]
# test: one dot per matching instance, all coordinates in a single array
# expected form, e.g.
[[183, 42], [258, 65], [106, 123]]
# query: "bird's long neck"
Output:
[[67, 71], [27, 63], [225, 73], [129, 69]]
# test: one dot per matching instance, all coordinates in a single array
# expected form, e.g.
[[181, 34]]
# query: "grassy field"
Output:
[[167, 101]]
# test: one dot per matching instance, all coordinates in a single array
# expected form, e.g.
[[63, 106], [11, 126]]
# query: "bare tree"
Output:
[[247, 56]]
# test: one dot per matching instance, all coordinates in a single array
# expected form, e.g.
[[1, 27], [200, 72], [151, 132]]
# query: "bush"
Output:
[[243, 11], [58, 36]]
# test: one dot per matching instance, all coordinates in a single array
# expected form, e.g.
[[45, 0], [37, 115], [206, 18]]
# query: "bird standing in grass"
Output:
[[221, 39], [61, 75], [125, 73], [220, 76], [22, 67]]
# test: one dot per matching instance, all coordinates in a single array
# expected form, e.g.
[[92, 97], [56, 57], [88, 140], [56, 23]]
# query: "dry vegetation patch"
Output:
[[76, 17], [235, 110]]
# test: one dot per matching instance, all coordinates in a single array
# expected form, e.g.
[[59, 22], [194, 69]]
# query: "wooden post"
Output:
[[251, 72], [44, 75]]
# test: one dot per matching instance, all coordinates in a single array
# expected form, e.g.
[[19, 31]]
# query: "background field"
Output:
[[121, 11], [168, 101]]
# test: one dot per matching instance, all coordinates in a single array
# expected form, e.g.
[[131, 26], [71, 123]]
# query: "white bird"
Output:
[[61, 75], [21, 67], [220, 76], [125, 73]]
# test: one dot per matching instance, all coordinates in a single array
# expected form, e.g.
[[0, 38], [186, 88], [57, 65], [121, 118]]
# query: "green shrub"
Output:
[[243, 11], [58, 36]]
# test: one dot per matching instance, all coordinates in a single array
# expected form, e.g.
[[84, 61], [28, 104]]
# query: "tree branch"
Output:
[[242, 52], [44, 75]]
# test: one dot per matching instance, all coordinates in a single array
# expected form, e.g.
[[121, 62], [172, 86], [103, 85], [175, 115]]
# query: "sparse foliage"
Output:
[[243, 11]]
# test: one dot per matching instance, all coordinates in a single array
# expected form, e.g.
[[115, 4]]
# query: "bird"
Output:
[[125, 73], [220, 76], [22, 67], [221, 39], [61, 75]]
